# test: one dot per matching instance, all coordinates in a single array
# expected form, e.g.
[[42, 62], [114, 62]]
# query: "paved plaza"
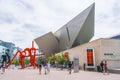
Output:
[[55, 74]]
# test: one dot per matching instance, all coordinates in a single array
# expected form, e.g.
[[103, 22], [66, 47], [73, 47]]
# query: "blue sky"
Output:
[[21, 21]]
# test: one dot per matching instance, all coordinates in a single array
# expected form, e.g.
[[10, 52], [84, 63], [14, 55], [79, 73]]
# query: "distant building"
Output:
[[76, 32], [2, 51], [115, 37], [7, 47]]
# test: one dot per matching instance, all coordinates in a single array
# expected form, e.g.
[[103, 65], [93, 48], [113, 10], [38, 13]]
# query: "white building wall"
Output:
[[101, 48], [110, 51]]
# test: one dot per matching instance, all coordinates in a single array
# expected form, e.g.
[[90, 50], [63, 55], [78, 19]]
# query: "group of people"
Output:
[[103, 66], [43, 63]]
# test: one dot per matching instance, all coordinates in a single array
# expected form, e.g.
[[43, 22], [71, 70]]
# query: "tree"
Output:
[[15, 61], [27, 61]]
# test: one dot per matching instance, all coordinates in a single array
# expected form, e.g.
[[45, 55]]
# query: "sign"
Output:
[[90, 58]]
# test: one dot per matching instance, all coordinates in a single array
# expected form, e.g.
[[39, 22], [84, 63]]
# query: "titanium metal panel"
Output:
[[76, 32], [87, 30], [47, 43]]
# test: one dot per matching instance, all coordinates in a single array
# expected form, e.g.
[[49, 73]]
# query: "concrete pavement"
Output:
[[32, 74]]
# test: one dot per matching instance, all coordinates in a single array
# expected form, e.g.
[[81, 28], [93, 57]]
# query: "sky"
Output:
[[21, 21]]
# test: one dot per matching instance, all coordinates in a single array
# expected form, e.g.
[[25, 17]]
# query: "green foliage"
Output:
[[52, 59], [60, 58], [15, 61], [27, 61]]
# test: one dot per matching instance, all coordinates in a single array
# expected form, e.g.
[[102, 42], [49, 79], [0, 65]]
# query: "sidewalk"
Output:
[[32, 74]]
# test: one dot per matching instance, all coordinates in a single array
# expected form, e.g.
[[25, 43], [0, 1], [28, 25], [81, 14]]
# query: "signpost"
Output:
[[76, 64]]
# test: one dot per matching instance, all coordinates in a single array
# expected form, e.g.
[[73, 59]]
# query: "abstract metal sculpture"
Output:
[[27, 52]]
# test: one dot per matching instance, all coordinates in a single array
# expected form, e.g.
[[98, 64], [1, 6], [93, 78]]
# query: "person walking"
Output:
[[45, 65], [39, 64], [48, 64], [40, 68], [102, 66], [70, 66], [4, 60], [105, 68], [3, 67]]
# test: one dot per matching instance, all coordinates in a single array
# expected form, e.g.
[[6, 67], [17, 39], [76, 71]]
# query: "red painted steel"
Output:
[[27, 52]]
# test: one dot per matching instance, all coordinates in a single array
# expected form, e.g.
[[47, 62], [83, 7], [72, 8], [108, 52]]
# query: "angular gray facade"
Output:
[[48, 43], [76, 32]]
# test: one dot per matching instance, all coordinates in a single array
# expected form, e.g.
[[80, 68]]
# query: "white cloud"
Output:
[[23, 20], [106, 22]]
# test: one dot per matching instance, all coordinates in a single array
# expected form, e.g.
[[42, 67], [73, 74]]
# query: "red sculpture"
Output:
[[28, 52]]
